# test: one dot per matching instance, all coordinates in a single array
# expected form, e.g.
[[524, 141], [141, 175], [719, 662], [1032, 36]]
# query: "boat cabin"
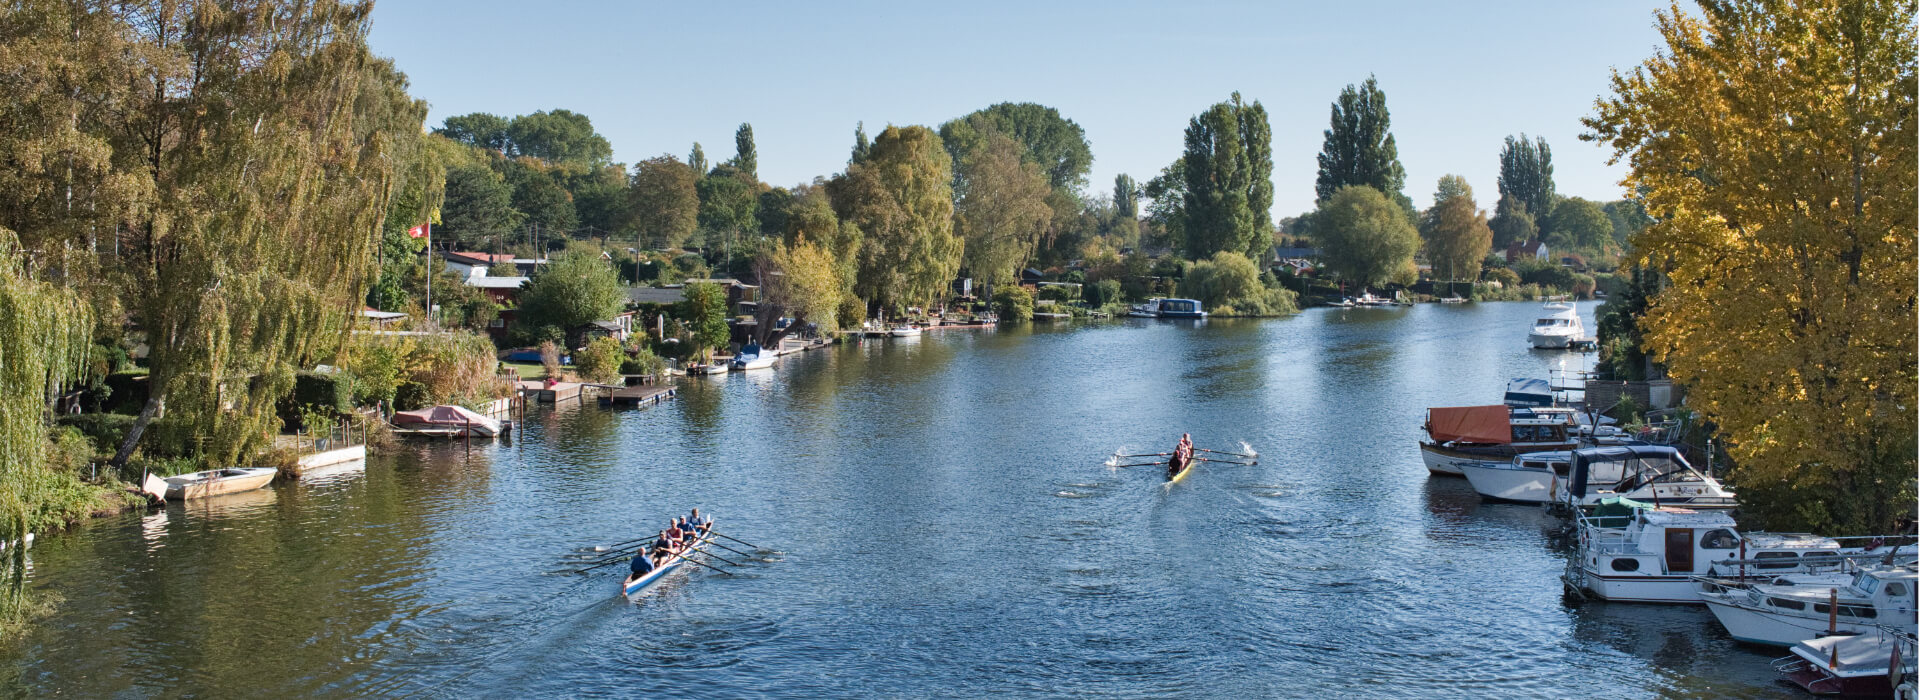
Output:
[[1631, 551], [1651, 473], [1523, 429], [1180, 308]]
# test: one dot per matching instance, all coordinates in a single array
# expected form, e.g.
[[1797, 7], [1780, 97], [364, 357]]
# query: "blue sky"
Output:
[[656, 77]]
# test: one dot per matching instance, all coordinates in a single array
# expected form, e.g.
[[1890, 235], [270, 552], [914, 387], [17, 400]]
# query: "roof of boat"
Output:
[[1622, 453], [1788, 540], [1857, 654], [1478, 424], [1547, 456], [1687, 516]]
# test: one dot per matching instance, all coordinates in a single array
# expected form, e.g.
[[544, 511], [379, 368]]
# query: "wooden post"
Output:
[[1833, 613]]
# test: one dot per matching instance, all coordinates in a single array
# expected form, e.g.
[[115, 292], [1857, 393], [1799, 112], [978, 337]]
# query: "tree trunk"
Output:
[[155, 404]]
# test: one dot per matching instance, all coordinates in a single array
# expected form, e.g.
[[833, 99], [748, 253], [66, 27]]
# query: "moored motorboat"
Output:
[[904, 331], [1456, 435], [1785, 612], [753, 357], [1556, 330], [214, 482], [1527, 478], [1630, 551], [1179, 308], [1654, 474]]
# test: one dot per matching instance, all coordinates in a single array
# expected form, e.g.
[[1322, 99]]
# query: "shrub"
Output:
[[599, 361], [1101, 293], [106, 430], [642, 361], [1013, 303], [1503, 276], [317, 394], [550, 358], [411, 396]]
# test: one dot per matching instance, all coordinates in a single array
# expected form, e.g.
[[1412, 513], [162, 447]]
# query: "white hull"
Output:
[[1756, 626], [1549, 341], [904, 332], [1499, 480], [761, 362], [1440, 464], [1640, 589], [218, 481]]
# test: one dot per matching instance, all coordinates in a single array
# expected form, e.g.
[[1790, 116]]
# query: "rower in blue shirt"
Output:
[[641, 566]]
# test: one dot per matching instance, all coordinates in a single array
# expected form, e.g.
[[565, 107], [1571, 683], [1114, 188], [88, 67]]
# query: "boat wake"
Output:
[[1070, 494]]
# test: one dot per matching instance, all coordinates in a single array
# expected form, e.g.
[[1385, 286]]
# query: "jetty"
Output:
[[641, 395]]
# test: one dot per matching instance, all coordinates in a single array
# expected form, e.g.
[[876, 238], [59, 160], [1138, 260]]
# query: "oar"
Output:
[[686, 558], [1221, 452], [1142, 464], [614, 560], [1146, 454], [736, 539], [730, 549], [716, 556], [1225, 461]]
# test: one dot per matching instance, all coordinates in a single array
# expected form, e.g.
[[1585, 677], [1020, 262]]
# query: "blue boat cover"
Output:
[[1583, 460], [1529, 392]]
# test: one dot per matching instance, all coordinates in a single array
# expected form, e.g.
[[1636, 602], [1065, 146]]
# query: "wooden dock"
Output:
[[644, 395]]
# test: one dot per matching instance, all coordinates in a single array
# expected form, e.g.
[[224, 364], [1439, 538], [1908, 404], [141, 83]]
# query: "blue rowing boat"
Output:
[[635, 586]]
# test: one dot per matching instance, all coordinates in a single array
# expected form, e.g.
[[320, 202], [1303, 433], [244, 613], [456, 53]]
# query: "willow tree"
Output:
[[265, 140], [1003, 212], [43, 346], [1775, 145], [901, 198]]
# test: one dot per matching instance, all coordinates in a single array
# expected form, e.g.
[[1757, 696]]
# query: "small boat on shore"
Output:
[[215, 482]]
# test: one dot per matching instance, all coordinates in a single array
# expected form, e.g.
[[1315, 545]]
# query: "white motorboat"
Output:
[[1654, 474], [1527, 478], [904, 331], [1783, 615], [1147, 310], [1632, 552], [214, 482], [1457, 435], [1559, 328], [753, 357]]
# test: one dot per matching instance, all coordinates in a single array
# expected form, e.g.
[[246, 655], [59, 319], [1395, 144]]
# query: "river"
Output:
[[940, 524]]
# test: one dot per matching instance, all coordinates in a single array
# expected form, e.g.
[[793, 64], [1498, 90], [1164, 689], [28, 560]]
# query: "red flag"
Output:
[[418, 231]]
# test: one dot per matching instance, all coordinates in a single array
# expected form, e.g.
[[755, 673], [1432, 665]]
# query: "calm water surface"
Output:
[[941, 524]]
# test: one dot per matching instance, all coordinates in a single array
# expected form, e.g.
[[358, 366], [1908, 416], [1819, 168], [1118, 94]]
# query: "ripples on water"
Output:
[[941, 522]]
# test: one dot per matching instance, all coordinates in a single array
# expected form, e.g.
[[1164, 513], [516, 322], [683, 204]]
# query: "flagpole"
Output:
[[430, 319]]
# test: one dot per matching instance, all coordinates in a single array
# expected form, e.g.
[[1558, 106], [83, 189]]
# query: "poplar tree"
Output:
[[1526, 175], [697, 160], [1359, 148], [745, 158], [861, 147]]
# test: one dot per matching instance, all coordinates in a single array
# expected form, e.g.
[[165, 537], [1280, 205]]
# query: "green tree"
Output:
[[1526, 175], [479, 129], [1775, 146], [705, 311], [1581, 225], [775, 204], [1512, 224], [1364, 237], [1256, 136], [575, 289], [665, 203], [1359, 148], [1126, 209], [810, 217], [861, 147], [697, 160], [746, 159], [600, 197], [1229, 284], [1055, 143], [559, 136], [539, 196], [1004, 211], [1013, 303], [807, 287], [1218, 179], [479, 205], [901, 199], [1456, 231], [1168, 190], [728, 202]]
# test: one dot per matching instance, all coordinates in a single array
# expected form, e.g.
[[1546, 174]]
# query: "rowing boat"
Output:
[[634, 586], [1184, 470]]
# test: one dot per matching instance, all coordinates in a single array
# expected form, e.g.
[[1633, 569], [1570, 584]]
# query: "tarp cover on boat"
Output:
[[444, 415], [1485, 425], [1585, 459], [1529, 392]]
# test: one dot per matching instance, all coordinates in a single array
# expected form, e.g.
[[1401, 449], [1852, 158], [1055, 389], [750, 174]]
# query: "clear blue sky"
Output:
[[655, 77]]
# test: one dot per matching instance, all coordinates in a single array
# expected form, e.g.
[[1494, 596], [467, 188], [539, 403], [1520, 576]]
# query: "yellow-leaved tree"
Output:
[[1775, 143]]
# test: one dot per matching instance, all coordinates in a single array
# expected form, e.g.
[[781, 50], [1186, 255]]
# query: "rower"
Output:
[[642, 565], [700, 523], [662, 544]]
